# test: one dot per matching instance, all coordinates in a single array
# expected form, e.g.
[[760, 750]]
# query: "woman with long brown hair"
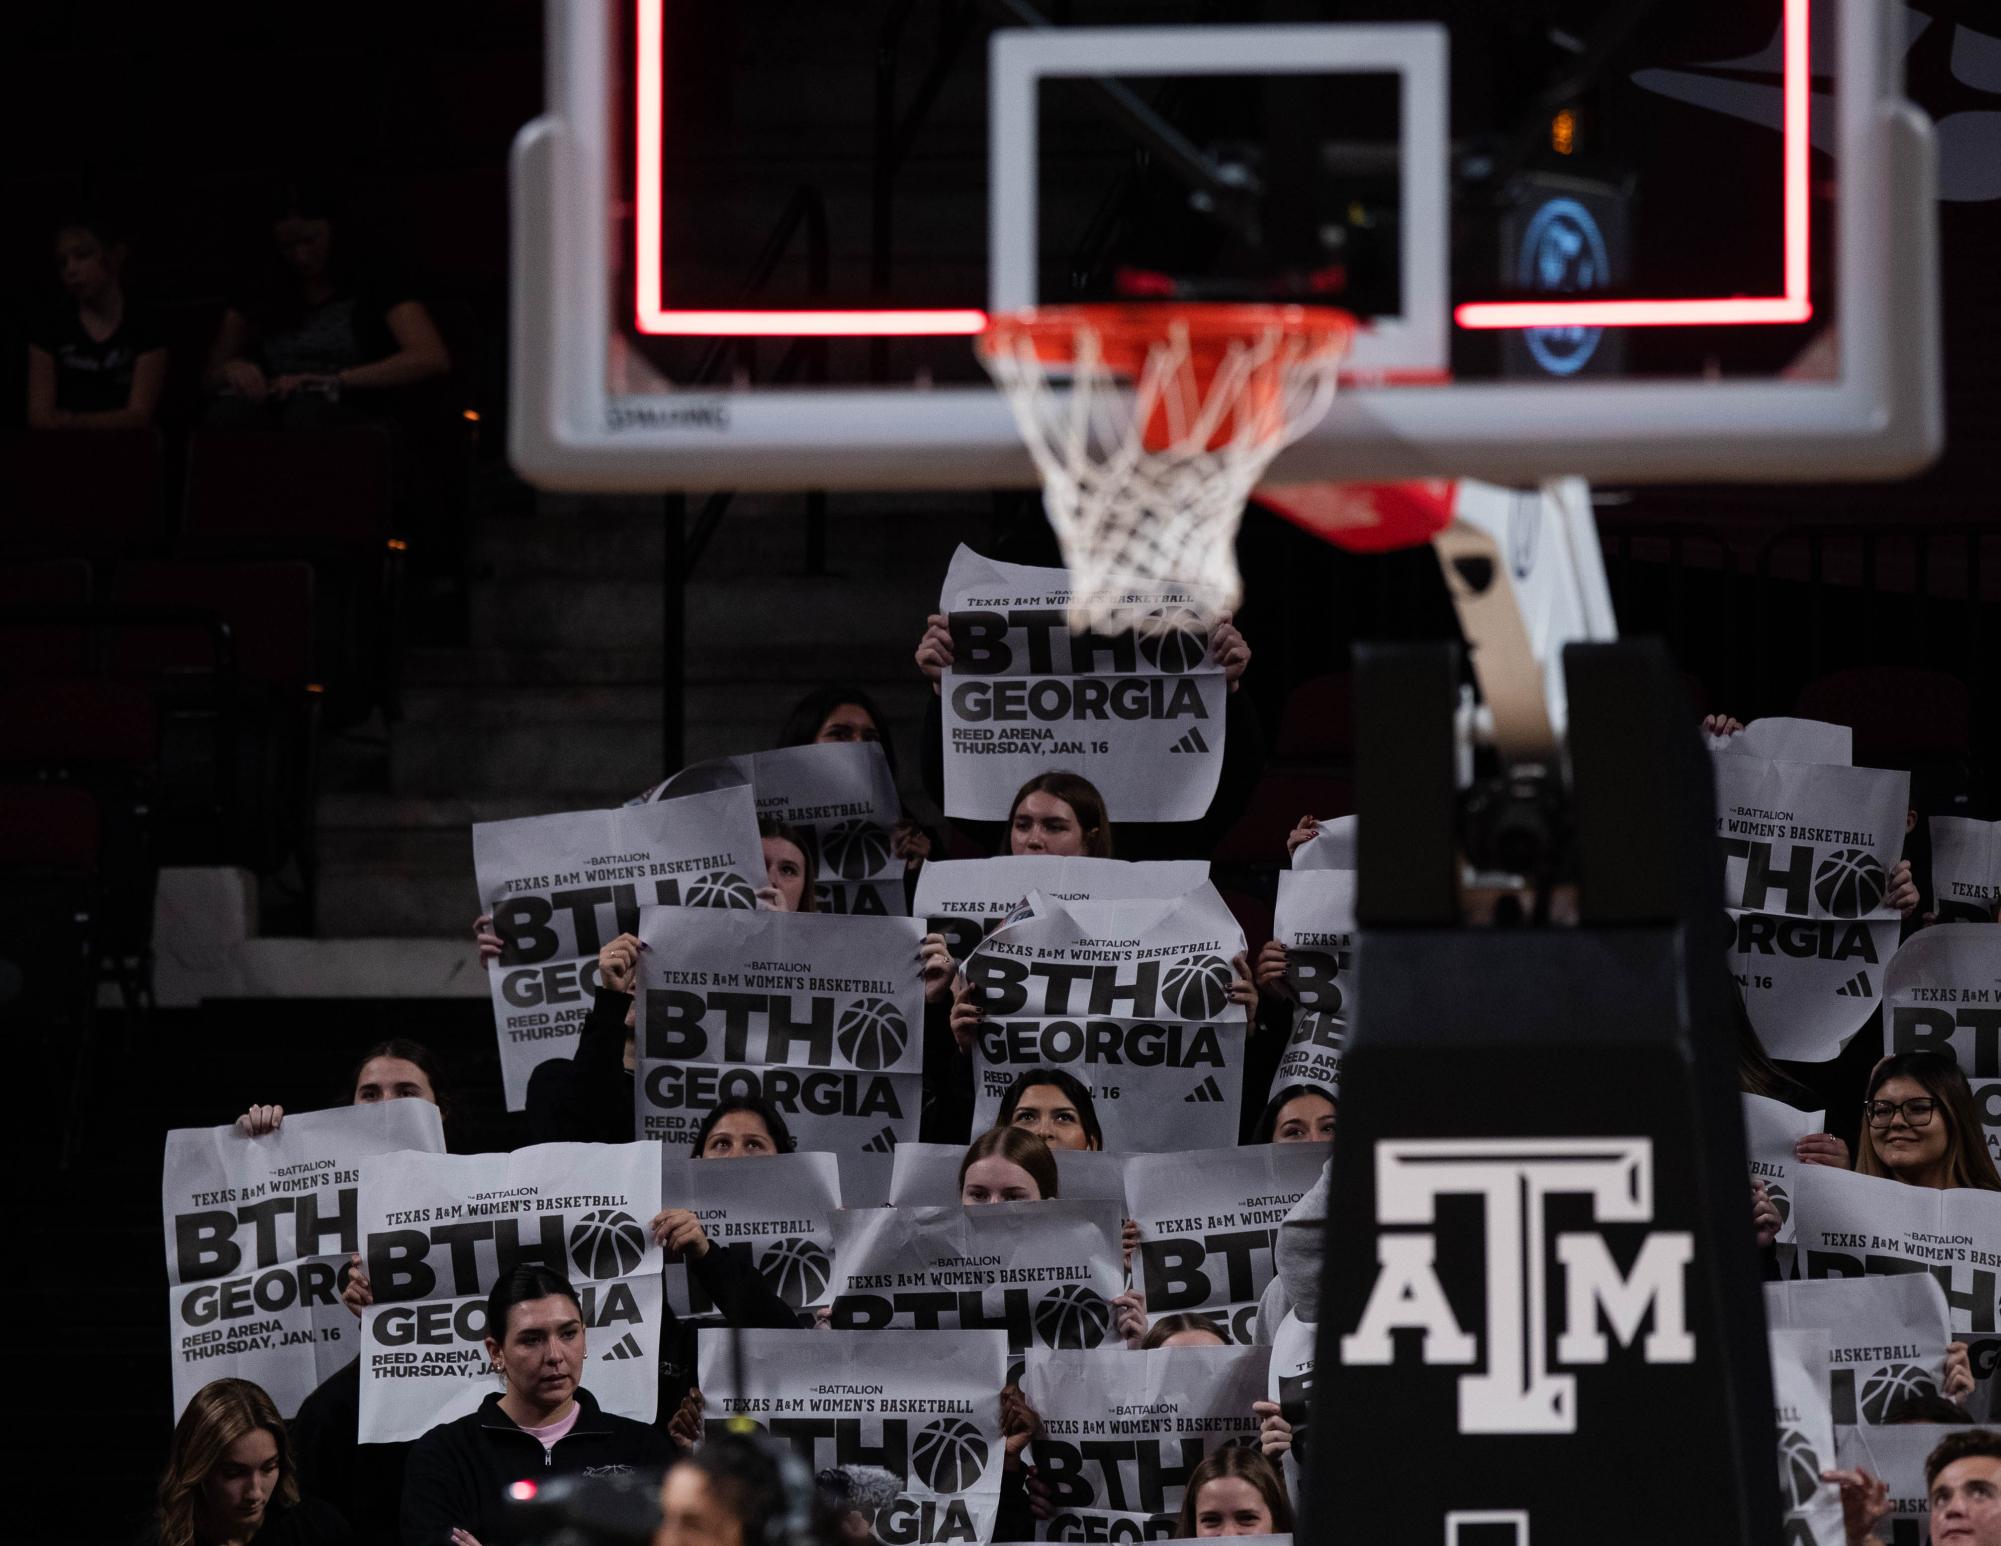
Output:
[[1235, 1491], [1919, 1125], [229, 1478]]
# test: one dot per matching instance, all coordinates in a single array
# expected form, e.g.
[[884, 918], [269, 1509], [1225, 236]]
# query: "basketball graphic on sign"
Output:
[[797, 1271], [855, 849], [721, 888], [871, 1034], [1173, 638], [1779, 1200], [1197, 987], [606, 1243], [1891, 1384], [1799, 1469], [1070, 1315], [1850, 882], [948, 1455]]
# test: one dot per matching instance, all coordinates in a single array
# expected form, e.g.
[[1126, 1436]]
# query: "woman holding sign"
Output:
[[1919, 1125], [541, 1423], [839, 716], [229, 1478], [1235, 1491]]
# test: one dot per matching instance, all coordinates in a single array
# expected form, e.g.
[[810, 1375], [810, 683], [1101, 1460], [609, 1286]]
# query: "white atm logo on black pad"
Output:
[[1519, 1392]]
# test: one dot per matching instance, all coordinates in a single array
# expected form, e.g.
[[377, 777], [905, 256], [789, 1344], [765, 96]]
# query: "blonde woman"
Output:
[[229, 1479]]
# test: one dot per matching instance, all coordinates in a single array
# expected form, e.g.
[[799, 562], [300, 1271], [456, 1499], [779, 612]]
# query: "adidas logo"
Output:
[[883, 1142], [628, 1347], [1191, 742], [1206, 1091], [1857, 986]]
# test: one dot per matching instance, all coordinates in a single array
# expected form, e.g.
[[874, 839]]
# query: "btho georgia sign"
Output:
[[1520, 1389]]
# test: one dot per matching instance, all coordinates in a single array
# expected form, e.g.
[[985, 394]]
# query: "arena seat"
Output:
[[1257, 841], [1898, 713], [239, 724], [319, 495], [82, 495], [29, 652], [1317, 724]]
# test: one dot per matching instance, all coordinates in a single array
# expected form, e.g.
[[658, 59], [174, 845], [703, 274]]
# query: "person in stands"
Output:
[[542, 1422], [1234, 1491], [1055, 1106], [1919, 1125], [229, 1479], [97, 359], [840, 715], [1299, 1113], [1962, 1493], [1184, 1328], [325, 333]]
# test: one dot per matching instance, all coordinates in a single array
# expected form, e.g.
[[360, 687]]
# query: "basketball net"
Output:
[[1150, 426]]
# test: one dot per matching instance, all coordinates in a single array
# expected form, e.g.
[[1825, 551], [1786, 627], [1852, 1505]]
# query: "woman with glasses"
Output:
[[1919, 1125]]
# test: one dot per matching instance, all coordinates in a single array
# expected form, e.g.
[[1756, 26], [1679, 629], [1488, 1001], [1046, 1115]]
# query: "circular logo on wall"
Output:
[[606, 1243], [871, 1034], [855, 849], [1891, 1384], [797, 1270], [948, 1455], [1197, 987], [1071, 1315], [1850, 882], [1173, 638], [720, 888], [1562, 251]]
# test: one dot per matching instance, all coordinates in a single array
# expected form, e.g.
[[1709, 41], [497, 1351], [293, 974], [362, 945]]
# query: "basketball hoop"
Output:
[[1151, 424]]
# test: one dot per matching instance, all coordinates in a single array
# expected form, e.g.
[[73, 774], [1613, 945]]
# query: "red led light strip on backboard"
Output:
[[653, 317], [1726, 311]]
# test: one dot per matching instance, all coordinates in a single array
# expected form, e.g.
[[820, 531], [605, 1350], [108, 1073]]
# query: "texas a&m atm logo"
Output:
[[1519, 1390]]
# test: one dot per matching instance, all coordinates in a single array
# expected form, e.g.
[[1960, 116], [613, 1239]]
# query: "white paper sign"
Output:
[[1044, 1271], [841, 797], [924, 1405], [1896, 1457], [1886, 1338], [1806, 839], [1207, 1224], [775, 1211], [259, 1232], [1294, 1347], [1810, 984], [1806, 1440], [1781, 739], [1849, 1225], [1966, 868], [1332, 847], [966, 899], [560, 886], [1943, 994], [821, 1015], [925, 1175], [438, 1230], [1771, 1128], [1132, 997], [1122, 1431], [1315, 922], [1140, 715]]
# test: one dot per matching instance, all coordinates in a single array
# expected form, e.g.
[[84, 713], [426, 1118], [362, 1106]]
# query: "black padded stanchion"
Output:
[[1539, 1315]]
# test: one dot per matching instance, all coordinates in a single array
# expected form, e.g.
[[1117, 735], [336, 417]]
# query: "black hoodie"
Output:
[[459, 1472]]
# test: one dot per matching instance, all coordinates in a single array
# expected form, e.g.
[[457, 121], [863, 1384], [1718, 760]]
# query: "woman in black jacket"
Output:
[[541, 1423]]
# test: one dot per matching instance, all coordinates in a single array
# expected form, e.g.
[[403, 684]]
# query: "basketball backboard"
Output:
[[1688, 241]]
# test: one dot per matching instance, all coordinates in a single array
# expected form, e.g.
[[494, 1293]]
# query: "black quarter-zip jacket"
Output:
[[459, 1472]]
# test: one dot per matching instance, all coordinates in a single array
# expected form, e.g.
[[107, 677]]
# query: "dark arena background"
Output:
[[258, 680]]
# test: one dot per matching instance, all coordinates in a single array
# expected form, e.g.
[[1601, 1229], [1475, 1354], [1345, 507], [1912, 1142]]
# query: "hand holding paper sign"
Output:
[[934, 650], [1865, 1503], [1822, 1149], [967, 1016], [939, 968], [1271, 970], [1765, 1219], [1305, 832], [1958, 1373], [1274, 1432], [1228, 649], [680, 1234]]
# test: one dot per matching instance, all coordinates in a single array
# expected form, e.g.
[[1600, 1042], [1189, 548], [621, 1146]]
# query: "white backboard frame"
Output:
[[1882, 416]]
